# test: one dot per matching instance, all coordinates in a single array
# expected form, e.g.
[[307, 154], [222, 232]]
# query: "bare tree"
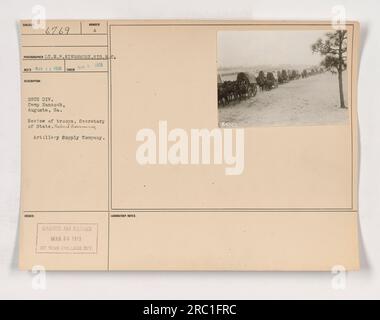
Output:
[[334, 50]]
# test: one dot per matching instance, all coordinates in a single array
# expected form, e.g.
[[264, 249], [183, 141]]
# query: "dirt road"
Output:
[[310, 101]]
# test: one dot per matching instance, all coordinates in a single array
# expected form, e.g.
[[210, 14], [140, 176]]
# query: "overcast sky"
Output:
[[250, 48]]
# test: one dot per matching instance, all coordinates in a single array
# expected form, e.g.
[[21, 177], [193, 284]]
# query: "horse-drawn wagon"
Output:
[[267, 81], [242, 88]]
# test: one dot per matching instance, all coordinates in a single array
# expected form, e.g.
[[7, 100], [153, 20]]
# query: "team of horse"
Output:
[[246, 84], [242, 88]]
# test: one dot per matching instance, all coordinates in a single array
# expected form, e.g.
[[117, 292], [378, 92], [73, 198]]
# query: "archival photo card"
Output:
[[124, 166]]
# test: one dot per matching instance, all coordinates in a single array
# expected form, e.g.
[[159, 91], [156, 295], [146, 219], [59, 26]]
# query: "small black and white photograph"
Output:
[[282, 78]]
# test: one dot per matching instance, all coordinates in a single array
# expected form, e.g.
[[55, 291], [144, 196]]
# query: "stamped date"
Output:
[[68, 238]]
